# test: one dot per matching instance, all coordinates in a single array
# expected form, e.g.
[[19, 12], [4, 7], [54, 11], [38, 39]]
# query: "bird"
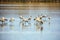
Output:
[[21, 17], [3, 19], [12, 19], [39, 20], [44, 15], [49, 18]]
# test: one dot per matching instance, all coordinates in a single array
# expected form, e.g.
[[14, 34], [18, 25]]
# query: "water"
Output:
[[17, 31]]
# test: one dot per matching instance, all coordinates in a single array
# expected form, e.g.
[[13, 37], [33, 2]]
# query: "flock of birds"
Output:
[[38, 19], [3, 19]]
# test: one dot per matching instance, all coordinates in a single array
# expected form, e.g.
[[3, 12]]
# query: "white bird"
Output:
[[38, 19], [25, 19], [43, 16], [3, 19], [21, 17], [12, 19]]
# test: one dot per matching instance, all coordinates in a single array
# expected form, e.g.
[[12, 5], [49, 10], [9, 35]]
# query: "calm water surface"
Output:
[[15, 30]]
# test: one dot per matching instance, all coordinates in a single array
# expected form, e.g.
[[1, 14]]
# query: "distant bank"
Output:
[[26, 6]]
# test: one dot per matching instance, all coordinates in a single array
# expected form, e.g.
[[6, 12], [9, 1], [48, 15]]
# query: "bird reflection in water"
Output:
[[25, 26], [39, 27], [11, 27], [3, 25]]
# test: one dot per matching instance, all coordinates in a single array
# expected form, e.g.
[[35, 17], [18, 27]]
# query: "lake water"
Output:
[[17, 31]]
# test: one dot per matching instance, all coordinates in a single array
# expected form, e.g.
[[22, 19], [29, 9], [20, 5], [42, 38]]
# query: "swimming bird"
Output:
[[25, 19], [38, 19], [49, 18], [3, 19], [12, 19]]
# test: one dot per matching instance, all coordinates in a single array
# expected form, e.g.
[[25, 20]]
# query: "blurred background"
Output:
[[16, 31]]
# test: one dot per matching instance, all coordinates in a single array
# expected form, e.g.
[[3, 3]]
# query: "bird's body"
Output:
[[25, 19], [49, 18], [39, 20], [12, 19], [3, 19], [21, 17]]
